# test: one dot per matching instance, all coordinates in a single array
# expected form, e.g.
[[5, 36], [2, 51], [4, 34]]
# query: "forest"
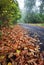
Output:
[[31, 13]]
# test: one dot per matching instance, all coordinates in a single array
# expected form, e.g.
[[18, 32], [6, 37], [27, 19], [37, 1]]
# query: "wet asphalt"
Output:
[[35, 30]]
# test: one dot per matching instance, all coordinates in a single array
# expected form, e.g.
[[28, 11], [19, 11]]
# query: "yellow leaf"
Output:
[[18, 51], [9, 63], [2, 57]]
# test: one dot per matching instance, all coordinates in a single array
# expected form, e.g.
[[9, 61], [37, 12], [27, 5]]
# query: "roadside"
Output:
[[36, 30], [37, 24]]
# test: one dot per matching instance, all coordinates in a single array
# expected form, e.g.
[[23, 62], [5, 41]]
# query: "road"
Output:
[[38, 30]]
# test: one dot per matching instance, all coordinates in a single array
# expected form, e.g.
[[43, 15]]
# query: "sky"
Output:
[[21, 3], [37, 3]]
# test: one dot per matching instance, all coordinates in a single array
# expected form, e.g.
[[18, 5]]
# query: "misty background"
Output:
[[32, 11]]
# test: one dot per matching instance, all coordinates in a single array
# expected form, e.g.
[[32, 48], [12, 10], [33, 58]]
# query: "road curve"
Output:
[[38, 30]]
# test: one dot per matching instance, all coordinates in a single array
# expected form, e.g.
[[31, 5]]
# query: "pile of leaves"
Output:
[[17, 48]]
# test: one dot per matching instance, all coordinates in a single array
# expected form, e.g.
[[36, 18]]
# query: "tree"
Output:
[[42, 7], [42, 10], [9, 11], [32, 15], [29, 5]]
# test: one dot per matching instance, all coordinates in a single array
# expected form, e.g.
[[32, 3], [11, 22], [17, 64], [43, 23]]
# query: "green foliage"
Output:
[[34, 18], [9, 10], [1, 22], [0, 35]]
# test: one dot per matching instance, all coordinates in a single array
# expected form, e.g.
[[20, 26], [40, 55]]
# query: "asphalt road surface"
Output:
[[36, 30]]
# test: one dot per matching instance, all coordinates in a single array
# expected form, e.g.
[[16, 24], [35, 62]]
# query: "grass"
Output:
[[38, 24]]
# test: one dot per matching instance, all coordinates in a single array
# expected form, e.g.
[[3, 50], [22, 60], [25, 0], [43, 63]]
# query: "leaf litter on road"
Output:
[[17, 48]]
